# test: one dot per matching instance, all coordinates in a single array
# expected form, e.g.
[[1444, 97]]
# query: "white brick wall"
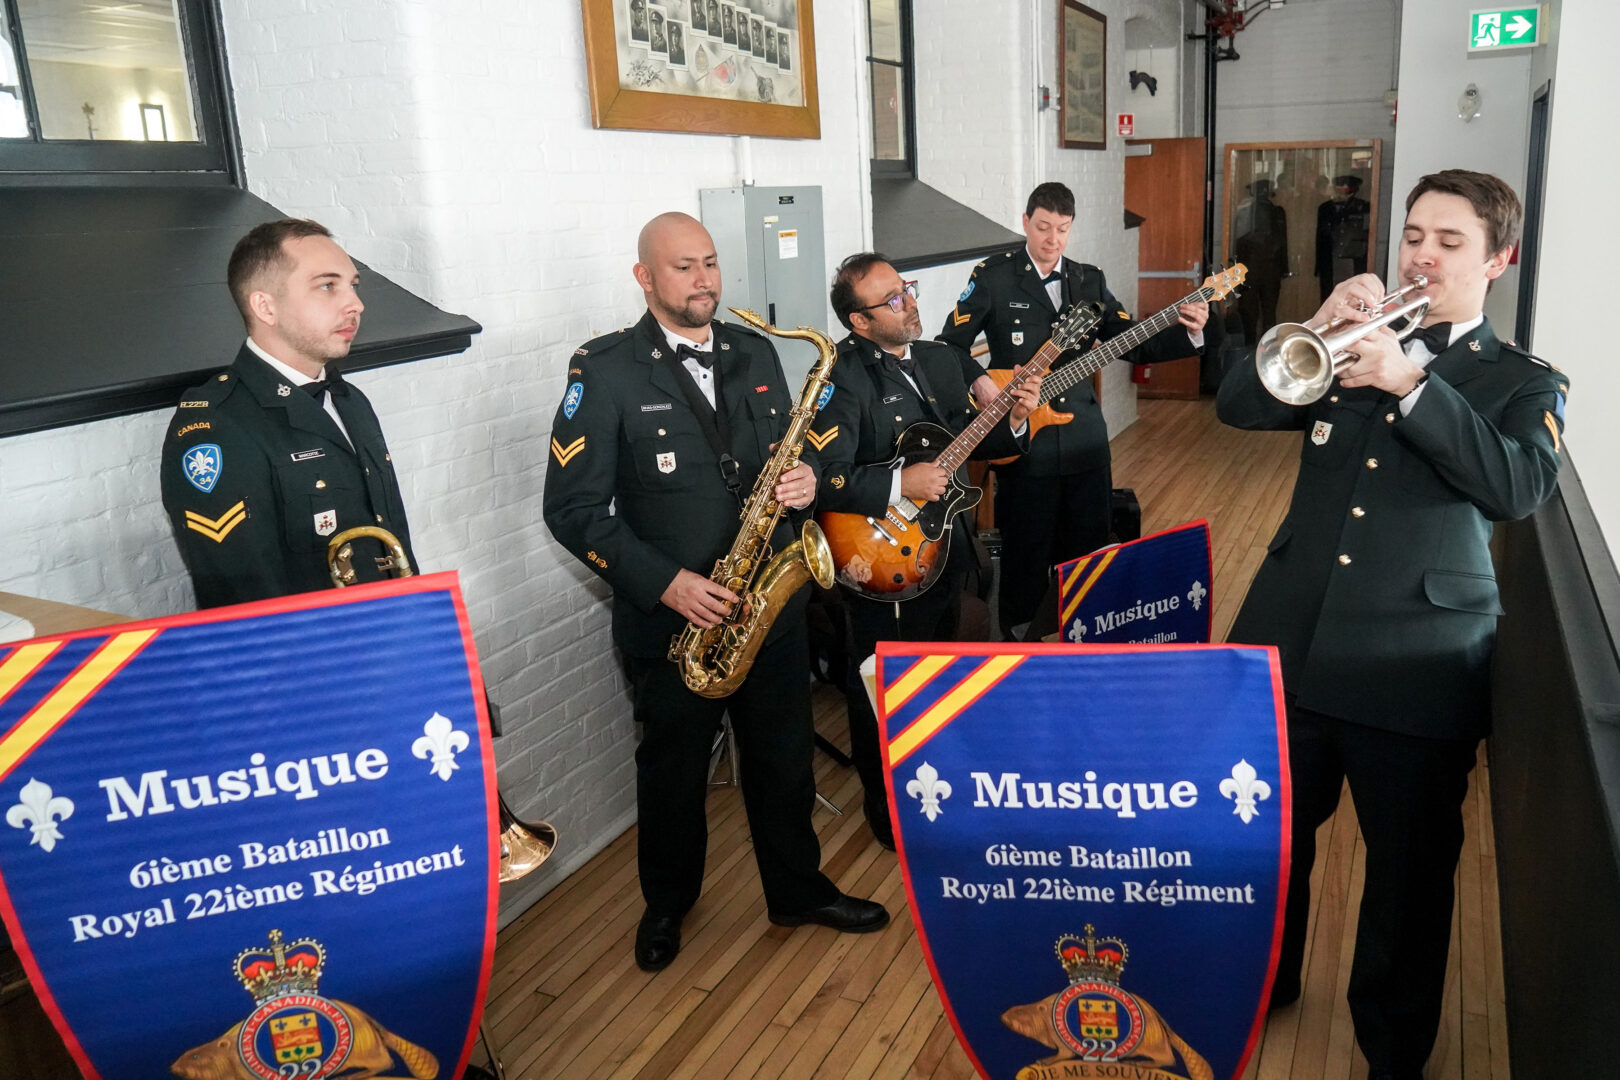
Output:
[[450, 147]]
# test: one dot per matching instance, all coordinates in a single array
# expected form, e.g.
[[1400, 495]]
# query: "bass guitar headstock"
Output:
[[1076, 325], [1223, 284]]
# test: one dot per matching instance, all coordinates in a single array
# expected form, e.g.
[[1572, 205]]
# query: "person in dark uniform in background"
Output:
[[1053, 504], [1260, 242], [1341, 234], [635, 490], [884, 381], [1379, 593], [269, 458]]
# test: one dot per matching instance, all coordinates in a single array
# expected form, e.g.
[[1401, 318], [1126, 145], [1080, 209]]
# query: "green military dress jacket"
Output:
[[1378, 589], [1007, 301], [256, 478], [633, 487]]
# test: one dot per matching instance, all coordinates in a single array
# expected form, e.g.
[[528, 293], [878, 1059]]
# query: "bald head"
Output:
[[679, 273]]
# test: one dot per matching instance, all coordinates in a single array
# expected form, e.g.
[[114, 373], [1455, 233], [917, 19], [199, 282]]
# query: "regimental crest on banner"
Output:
[[202, 465], [295, 1032], [666, 462], [1098, 1025], [1320, 433]]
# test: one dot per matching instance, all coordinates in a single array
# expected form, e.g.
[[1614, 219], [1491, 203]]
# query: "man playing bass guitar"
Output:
[[886, 380], [1051, 505]]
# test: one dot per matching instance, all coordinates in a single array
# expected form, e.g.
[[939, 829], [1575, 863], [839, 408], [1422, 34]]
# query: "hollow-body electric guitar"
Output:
[[1067, 377], [899, 555]]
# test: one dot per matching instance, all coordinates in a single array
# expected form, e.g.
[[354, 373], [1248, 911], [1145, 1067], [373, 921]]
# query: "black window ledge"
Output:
[[115, 301], [916, 226]]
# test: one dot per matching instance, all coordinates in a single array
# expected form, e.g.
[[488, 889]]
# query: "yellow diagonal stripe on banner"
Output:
[[915, 678], [23, 663], [103, 664], [1080, 593], [948, 707]]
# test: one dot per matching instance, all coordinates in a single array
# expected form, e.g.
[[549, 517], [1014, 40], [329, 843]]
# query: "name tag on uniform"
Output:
[[308, 455], [1016, 304], [660, 407], [893, 398]]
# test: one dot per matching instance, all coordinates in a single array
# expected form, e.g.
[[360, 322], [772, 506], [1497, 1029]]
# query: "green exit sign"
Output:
[[1504, 28]]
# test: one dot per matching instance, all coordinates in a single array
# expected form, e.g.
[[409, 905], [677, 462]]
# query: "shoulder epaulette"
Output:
[[215, 390], [1515, 347], [740, 327], [597, 344]]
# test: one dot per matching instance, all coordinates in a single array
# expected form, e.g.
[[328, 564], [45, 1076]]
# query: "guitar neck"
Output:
[[993, 413], [1066, 378]]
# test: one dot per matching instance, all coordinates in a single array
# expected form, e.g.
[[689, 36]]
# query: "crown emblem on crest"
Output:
[[1092, 959], [283, 968]]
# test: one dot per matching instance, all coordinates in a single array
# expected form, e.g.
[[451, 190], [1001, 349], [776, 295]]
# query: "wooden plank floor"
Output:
[[746, 999]]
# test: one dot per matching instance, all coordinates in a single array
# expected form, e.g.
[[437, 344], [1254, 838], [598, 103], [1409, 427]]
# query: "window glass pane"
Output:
[[13, 116], [885, 15], [109, 71], [888, 112]]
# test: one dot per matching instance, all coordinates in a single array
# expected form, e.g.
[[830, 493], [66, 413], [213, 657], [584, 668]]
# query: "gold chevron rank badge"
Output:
[[820, 441], [565, 454], [217, 529]]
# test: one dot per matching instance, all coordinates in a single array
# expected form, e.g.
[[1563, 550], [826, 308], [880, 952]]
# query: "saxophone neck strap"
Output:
[[712, 419]]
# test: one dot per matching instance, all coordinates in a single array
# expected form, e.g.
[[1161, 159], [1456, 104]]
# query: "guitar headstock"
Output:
[[1076, 325], [1224, 283]]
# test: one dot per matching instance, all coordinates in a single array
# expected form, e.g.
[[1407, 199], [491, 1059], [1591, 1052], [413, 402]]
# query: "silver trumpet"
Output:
[[1297, 363]]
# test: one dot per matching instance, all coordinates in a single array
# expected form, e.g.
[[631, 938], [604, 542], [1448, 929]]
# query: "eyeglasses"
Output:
[[897, 302]]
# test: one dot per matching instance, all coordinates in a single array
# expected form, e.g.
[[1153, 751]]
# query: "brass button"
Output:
[[368, 470], [1334, 399], [319, 484], [660, 431], [773, 412], [1372, 463], [224, 378], [1389, 418], [1356, 511], [388, 457], [1344, 560], [379, 519], [898, 420]]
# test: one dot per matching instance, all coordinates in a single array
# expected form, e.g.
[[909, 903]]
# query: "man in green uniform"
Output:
[[661, 434], [1053, 504], [271, 457], [1379, 593]]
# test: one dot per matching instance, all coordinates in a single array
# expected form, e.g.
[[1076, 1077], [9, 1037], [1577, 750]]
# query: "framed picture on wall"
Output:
[[1083, 58], [702, 66]]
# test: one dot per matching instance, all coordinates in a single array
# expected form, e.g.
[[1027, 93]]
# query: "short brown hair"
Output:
[[1053, 197], [261, 251], [1493, 201], [844, 301]]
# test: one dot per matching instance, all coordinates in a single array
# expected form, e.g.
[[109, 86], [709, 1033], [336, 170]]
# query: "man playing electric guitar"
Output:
[[886, 380], [1052, 505]]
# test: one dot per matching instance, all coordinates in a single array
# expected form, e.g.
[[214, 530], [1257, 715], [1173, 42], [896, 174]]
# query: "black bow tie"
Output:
[[317, 389], [1436, 337], [906, 363], [1055, 275], [705, 358]]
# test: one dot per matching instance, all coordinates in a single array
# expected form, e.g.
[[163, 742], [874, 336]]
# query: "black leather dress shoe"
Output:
[[847, 915], [658, 939]]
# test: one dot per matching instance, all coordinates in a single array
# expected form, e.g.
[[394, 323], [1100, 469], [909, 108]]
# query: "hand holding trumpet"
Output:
[[1379, 358]]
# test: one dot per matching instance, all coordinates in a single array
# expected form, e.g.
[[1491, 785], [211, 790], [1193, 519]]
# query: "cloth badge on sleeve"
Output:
[[967, 292], [826, 396], [326, 523], [1320, 433], [565, 454], [576, 393], [202, 465], [666, 462], [820, 441]]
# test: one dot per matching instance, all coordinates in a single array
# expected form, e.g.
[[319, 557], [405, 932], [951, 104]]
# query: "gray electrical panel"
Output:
[[772, 260]]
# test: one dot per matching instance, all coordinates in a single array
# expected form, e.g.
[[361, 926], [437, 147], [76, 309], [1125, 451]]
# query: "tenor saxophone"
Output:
[[714, 661]]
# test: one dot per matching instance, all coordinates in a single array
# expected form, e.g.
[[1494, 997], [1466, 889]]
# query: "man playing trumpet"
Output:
[[1379, 593]]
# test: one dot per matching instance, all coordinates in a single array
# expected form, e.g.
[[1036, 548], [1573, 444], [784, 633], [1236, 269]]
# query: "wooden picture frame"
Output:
[[1083, 60], [716, 89]]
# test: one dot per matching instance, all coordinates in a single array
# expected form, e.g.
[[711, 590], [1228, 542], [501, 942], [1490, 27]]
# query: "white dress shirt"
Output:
[[1418, 352]]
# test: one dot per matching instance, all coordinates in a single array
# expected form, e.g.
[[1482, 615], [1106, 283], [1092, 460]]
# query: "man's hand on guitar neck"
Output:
[[1028, 398]]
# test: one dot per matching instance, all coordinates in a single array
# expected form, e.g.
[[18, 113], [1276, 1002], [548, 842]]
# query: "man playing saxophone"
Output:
[[661, 433]]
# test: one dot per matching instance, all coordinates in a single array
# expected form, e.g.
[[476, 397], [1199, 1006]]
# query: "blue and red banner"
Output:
[[257, 841], [1151, 591], [1094, 843]]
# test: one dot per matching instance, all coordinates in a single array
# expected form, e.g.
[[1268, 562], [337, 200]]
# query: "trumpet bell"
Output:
[[1294, 363], [525, 845]]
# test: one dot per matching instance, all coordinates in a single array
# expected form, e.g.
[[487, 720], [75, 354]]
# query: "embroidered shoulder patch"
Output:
[[576, 394], [826, 396], [202, 465], [217, 529], [967, 292], [820, 441], [565, 454]]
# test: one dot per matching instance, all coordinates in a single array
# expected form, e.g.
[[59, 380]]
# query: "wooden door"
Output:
[[1166, 186]]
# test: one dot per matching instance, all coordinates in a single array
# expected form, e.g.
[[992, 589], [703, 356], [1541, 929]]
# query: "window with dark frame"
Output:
[[133, 87], [889, 65]]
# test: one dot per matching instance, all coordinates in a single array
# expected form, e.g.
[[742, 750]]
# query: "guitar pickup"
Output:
[[877, 527]]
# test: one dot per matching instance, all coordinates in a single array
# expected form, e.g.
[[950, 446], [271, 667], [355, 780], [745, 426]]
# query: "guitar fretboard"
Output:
[[1066, 378], [992, 414]]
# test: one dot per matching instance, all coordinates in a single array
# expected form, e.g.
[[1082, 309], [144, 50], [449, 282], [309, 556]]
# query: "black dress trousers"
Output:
[[770, 714]]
